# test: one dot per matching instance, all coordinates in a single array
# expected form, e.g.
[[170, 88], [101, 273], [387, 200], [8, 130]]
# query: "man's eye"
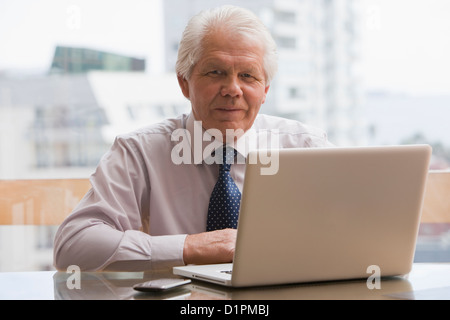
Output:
[[248, 77], [215, 72]]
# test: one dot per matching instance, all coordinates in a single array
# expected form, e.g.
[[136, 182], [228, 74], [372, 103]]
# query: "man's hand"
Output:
[[210, 247]]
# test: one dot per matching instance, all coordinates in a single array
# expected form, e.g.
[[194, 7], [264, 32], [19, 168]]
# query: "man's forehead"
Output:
[[220, 60], [248, 60]]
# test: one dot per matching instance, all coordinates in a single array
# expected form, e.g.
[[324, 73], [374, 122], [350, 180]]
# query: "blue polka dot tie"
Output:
[[223, 211]]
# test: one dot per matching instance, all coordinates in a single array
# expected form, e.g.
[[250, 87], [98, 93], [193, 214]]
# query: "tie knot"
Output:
[[228, 158]]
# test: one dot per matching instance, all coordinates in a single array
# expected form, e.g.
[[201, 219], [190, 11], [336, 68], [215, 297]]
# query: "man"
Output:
[[149, 210]]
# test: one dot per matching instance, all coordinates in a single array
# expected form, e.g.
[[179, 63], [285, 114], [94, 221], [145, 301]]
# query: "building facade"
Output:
[[81, 60]]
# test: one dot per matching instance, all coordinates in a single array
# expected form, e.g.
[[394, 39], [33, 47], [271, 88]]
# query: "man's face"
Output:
[[227, 86]]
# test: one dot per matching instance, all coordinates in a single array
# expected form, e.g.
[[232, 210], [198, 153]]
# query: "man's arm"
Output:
[[108, 228], [93, 243], [100, 247]]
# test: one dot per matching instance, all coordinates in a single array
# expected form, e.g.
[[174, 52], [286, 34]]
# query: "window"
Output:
[[295, 93], [289, 17], [286, 42]]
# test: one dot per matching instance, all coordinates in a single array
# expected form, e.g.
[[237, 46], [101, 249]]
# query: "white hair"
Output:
[[236, 21]]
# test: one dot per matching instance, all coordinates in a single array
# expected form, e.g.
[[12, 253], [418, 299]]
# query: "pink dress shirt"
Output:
[[142, 204]]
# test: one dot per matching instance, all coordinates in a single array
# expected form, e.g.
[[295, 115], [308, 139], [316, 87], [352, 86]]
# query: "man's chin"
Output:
[[226, 130]]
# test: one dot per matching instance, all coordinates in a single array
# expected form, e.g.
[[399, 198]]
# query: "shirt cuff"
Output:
[[167, 251]]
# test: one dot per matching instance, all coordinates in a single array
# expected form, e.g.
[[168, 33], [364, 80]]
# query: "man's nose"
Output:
[[231, 87]]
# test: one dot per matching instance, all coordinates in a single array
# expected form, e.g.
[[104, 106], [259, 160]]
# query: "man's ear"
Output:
[[184, 85], [265, 94]]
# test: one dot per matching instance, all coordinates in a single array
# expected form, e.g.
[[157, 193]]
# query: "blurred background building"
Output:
[[80, 60]]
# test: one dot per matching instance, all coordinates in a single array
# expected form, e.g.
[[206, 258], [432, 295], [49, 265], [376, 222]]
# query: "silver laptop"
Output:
[[327, 214]]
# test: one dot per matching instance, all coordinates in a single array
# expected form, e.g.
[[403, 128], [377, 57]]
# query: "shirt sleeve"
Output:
[[106, 230]]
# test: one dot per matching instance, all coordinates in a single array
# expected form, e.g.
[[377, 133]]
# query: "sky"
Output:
[[406, 43], [30, 29]]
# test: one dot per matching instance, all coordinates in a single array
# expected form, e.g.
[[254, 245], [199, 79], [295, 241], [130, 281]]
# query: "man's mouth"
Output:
[[228, 109]]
